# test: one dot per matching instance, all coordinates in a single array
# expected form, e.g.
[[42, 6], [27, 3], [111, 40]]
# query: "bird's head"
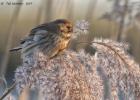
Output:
[[65, 27]]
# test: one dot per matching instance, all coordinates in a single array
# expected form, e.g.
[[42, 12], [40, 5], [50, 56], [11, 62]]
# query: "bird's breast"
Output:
[[66, 35], [64, 43]]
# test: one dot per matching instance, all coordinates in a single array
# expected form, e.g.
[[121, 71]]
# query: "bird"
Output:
[[50, 38]]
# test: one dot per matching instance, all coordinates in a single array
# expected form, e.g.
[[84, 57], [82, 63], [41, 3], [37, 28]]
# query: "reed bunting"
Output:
[[50, 38]]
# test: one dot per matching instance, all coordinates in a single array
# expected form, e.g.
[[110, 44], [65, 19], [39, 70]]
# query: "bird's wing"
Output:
[[36, 34], [38, 28], [50, 27], [31, 39], [16, 49], [26, 39]]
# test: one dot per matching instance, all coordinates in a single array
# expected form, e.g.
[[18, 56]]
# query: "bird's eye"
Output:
[[68, 27]]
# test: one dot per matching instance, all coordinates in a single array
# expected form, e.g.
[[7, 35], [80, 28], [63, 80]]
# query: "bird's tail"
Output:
[[15, 49]]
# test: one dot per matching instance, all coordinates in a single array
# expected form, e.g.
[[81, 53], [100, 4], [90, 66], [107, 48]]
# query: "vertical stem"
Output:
[[122, 21], [25, 94], [11, 30], [39, 14], [48, 7], [90, 12], [69, 11], [91, 8]]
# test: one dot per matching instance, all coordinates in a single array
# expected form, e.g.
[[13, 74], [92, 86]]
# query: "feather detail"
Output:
[[16, 49]]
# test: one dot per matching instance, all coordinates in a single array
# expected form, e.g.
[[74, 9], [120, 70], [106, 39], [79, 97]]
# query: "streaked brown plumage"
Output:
[[51, 38]]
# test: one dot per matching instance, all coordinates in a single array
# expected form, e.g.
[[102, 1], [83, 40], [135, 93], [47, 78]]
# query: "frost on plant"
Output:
[[119, 66], [74, 74], [71, 76], [109, 74], [80, 27]]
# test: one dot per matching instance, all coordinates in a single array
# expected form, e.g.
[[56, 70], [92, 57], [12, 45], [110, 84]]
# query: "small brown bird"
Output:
[[51, 38]]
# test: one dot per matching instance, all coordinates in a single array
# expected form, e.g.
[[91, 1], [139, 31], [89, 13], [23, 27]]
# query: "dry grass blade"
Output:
[[8, 91], [110, 47], [11, 30]]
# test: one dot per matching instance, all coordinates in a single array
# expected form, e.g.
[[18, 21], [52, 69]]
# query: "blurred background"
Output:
[[115, 19]]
